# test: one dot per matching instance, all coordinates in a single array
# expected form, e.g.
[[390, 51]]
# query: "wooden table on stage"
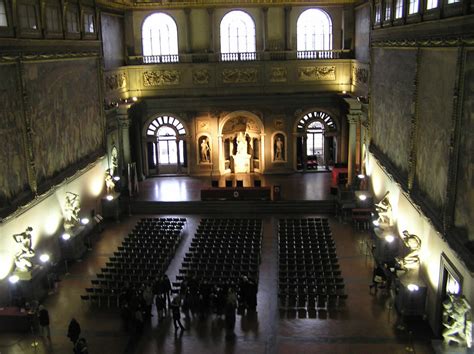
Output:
[[12, 320], [239, 193]]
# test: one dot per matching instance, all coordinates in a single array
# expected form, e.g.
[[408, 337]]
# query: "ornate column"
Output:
[[287, 27], [353, 118], [124, 135], [221, 157], [187, 14]]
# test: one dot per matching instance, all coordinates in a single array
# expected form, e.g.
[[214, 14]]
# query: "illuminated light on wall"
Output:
[[109, 197], [413, 287], [361, 176], [389, 238], [362, 197], [65, 236], [96, 186], [85, 221], [13, 279], [6, 262], [116, 178], [44, 257], [52, 224], [134, 99], [376, 223]]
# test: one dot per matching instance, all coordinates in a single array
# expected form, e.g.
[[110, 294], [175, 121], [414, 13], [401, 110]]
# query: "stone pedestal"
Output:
[[75, 247], [242, 163]]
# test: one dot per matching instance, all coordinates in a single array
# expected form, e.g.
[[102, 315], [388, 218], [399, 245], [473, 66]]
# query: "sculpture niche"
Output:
[[71, 211]]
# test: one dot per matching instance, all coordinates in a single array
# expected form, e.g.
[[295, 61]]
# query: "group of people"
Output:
[[196, 299]]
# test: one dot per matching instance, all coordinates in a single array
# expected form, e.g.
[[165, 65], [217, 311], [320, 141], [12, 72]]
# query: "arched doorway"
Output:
[[316, 142], [241, 141], [165, 146]]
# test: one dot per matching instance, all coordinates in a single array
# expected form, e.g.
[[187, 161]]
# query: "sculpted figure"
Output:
[[109, 181], [71, 210], [22, 258], [241, 144], [384, 210], [205, 149], [279, 149], [412, 242], [457, 320]]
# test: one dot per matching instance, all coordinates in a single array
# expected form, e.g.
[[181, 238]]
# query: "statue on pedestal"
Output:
[[22, 258], [457, 320], [279, 145], [109, 181], [413, 243], [241, 144], [71, 210], [205, 150], [384, 210]]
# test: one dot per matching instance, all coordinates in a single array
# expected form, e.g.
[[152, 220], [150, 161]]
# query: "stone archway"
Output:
[[241, 142]]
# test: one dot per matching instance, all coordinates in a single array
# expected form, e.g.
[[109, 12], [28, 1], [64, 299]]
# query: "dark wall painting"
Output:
[[63, 102], [437, 75], [392, 95], [113, 40], [362, 33], [464, 216], [13, 163]]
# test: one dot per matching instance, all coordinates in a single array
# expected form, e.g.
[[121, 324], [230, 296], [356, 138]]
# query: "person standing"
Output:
[[73, 331], [43, 317], [175, 304]]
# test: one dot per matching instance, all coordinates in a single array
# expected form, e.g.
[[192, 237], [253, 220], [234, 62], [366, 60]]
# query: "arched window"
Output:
[[159, 39], [237, 36], [166, 141], [314, 32]]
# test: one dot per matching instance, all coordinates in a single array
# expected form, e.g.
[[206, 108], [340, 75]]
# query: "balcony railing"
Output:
[[242, 57]]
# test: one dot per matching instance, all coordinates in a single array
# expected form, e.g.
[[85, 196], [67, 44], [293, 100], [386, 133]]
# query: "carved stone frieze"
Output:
[[115, 81], [201, 76], [237, 76], [203, 125], [317, 73], [161, 78], [278, 74]]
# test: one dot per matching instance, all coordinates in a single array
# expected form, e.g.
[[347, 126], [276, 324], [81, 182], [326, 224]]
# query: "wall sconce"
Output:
[[44, 258], [84, 221], [116, 178], [65, 236], [413, 287], [134, 99], [109, 197], [389, 238], [362, 197], [13, 279], [361, 176]]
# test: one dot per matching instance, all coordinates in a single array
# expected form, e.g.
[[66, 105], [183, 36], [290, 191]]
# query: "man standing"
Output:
[[43, 317]]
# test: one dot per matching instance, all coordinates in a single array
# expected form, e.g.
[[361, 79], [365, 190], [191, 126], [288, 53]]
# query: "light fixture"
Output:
[[344, 92], [413, 287], [116, 178], [109, 197], [362, 197], [65, 236], [389, 238], [84, 221], [44, 257], [376, 222], [134, 99], [13, 279], [361, 176]]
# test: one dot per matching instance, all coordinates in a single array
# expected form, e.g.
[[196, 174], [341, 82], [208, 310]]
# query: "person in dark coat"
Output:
[[175, 304], [43, 317], [74, 331]]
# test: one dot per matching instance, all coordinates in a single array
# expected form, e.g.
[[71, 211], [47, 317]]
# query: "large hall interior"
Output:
[[301, 171]]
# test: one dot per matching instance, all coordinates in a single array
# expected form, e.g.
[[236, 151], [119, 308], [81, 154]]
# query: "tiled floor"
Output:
[[367, 324]]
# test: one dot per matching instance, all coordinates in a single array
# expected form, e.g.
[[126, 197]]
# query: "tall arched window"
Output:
[[237, 36], [159, 39], [314, 32]]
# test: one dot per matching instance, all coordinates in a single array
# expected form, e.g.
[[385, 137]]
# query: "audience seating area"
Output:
[[309, 276], [144, 255], [222, 251]]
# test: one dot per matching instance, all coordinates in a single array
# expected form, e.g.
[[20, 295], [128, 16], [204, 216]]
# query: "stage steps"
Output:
[[234, 207]]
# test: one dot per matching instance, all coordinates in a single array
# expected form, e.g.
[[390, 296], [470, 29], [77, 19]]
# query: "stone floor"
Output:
[[367, 324]]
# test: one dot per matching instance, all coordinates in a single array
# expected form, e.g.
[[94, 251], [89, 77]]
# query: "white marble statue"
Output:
[[22, 258], [384, 210], [457, 321], [205, 149], [279, 149], [71, 210], [413, 243], [241, 144], [109, 181]]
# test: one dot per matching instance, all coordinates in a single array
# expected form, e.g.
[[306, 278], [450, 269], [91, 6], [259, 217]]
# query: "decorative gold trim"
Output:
[[440, 42], [414, 125], [317, 73], [55, 56]]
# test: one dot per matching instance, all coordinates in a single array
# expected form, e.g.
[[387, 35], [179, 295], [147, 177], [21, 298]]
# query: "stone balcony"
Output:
[[219, 74]]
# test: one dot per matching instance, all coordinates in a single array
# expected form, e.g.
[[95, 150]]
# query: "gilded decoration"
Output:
[[241, 123], [360, 75], [237, 76], [278, 74], [317, 73], [115, 81], [201, 76], [161, 77]]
